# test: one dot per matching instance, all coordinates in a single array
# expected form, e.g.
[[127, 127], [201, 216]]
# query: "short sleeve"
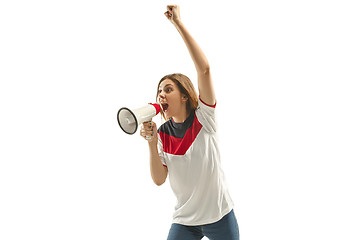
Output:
[[206, 116], [161, 151]]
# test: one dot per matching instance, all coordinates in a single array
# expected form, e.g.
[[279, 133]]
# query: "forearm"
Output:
[[197, 55], [157, 169], [206, 89]]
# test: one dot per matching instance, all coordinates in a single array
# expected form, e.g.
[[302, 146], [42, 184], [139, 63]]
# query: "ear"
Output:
[[184, 98]]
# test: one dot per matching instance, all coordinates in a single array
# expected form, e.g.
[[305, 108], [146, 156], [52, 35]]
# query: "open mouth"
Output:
[[165, 106]]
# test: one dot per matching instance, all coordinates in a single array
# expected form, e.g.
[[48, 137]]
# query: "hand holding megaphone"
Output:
[[149, 131], [129, 120]]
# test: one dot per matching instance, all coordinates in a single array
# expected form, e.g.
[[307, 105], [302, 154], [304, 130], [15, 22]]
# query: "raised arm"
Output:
[[206, 88]]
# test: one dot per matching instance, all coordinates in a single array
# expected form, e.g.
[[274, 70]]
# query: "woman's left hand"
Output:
[[173, 13]]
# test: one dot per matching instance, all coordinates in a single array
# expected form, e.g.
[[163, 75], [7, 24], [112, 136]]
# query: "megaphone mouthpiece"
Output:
[[157, 107]]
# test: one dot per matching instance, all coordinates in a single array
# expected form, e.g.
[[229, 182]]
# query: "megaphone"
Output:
[[129, 120]]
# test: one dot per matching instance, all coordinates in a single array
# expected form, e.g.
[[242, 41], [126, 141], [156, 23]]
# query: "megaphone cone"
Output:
[[129, 120]]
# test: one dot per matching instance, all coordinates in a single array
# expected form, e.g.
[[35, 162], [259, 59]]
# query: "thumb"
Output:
[[168, 14]]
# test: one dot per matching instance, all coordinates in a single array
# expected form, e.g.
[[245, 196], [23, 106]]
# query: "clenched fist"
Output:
[[149, 131], [173, 13]]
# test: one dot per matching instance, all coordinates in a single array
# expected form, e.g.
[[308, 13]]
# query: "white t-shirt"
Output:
[[190, 152]]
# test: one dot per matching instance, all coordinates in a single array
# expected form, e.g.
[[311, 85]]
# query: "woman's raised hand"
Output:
[[173, 13]]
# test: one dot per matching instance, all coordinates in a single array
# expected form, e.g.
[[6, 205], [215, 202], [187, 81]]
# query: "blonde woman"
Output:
[[185, 148]]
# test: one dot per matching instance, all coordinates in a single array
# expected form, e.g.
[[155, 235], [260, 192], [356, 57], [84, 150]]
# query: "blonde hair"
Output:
[[186, 87]]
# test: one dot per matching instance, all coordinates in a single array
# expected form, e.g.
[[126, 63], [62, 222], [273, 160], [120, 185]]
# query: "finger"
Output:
[[146, 130], [148, 126], [152, 124], [168, 14], [149, 132], [171, 6], [148, 135]]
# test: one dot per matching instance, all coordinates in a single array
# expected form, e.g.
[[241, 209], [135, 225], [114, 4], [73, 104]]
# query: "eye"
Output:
[[168, 90]]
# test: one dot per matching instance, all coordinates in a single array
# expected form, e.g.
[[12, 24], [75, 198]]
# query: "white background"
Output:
[[287, 82]]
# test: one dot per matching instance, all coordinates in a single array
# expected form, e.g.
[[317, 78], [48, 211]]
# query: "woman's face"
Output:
[[170, 98]]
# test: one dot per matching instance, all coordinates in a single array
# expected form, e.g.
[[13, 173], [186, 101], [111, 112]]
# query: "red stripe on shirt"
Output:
[[179, 146], [213, 106]]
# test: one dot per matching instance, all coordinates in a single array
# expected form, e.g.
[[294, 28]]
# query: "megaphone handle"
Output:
[[147, 137]]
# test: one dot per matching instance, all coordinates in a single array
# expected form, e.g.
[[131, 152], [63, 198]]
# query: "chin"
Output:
[[167, 115]]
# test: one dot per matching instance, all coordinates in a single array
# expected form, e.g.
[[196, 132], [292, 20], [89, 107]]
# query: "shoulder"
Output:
[[206, 108], [204, 104], [206, 115]]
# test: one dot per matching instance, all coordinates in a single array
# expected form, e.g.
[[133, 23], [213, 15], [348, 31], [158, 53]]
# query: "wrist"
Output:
[[153, 142], [177, 22]]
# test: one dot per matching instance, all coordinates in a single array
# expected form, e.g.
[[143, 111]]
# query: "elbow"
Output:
[[159, 177], [158, 183], [205, 70]]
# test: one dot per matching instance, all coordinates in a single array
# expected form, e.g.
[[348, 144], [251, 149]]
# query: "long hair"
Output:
[[186, 87]]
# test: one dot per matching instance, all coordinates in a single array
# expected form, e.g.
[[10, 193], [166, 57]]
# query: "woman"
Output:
[[186, 149]]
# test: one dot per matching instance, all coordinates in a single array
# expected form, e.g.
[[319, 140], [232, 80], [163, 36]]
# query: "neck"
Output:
[[181, 117]]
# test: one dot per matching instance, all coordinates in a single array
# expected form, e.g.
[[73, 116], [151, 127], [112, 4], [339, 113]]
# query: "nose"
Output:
[[161, 96]]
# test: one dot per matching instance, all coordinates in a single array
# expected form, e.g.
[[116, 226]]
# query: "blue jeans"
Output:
[[225, 229]]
